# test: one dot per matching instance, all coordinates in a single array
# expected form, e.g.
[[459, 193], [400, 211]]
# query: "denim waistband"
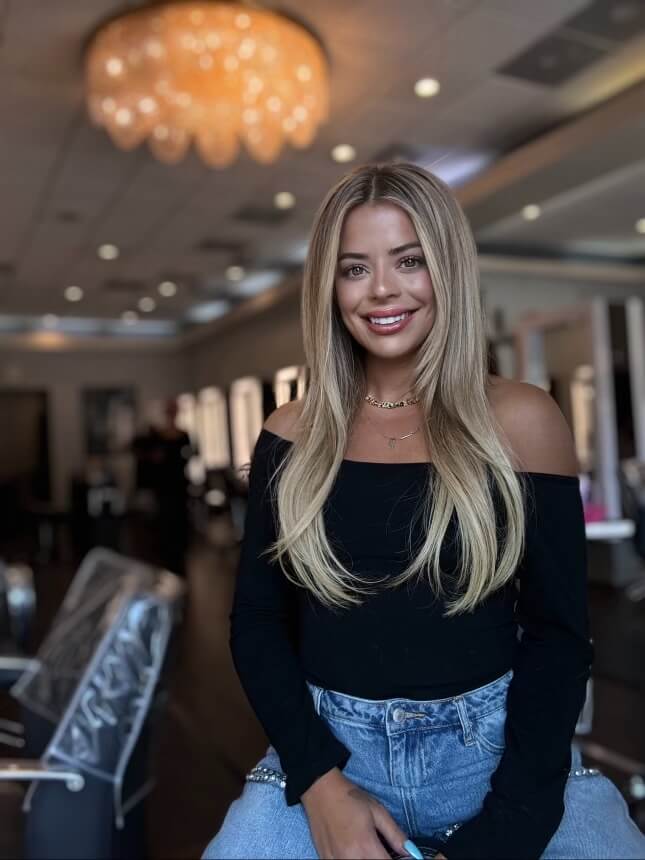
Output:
[[404, 714]]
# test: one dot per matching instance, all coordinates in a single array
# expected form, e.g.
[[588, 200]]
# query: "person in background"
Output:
[[162, 454], [410, 619]]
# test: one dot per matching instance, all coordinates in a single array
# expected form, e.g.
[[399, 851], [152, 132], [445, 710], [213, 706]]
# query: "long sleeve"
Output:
[[525, 804], [263, 649]]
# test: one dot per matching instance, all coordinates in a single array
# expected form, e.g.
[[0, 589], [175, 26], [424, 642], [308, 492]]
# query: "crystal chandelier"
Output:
[[215, 73]]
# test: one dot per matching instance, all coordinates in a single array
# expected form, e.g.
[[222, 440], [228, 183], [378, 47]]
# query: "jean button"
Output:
[[398, 715]]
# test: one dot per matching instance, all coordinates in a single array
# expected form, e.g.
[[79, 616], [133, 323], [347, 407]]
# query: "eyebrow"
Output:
[[392, 252]]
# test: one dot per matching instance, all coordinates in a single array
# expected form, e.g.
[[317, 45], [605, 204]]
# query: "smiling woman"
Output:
[[410, 621], [381, 287]]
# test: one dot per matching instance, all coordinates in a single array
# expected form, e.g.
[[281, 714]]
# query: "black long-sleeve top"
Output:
[[398, 645]]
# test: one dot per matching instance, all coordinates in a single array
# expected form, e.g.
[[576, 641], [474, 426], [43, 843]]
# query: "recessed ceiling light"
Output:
[[146, 304], [640, 225], [343, 152], [73, 294], [167, 288], [50, 321], [108, 252], [531, 212], [426, 87], [129, 317], [284, 200], [235, 273]]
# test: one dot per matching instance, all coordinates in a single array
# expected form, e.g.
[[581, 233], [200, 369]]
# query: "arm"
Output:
[[344, 820], [263, 649], [525, 804]]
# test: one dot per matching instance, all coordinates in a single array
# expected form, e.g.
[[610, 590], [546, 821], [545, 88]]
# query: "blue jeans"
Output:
[[429, 763]]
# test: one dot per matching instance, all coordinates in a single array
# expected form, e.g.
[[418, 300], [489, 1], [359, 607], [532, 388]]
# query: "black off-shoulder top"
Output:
[[398, 645]]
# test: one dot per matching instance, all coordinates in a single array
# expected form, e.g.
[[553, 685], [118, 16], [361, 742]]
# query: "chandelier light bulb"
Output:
[[213, 74]]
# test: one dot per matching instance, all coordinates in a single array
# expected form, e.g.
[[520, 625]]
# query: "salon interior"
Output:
[[161, 164]]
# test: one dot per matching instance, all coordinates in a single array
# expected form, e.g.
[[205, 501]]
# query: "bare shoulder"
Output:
[[535, 427], [284, 420]]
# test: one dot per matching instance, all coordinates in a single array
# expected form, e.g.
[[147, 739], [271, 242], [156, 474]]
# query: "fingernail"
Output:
[[412, 849]]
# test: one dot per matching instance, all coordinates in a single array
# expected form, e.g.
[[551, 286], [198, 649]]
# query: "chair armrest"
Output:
[[12, 667], [30, 770], [13, 663]]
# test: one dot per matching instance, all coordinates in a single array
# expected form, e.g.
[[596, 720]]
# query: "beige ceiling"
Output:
[[65, 189]]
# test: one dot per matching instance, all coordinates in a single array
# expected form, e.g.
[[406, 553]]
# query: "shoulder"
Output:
[[284, 420], [535, 427]]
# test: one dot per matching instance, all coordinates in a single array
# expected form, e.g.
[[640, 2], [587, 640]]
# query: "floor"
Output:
[[210, 738]]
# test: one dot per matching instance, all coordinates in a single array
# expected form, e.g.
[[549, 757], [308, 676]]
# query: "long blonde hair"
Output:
[[470, 458]]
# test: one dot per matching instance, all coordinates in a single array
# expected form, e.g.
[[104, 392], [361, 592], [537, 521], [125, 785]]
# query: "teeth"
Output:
[[387, 320]]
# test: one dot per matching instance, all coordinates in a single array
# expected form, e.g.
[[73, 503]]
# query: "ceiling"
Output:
[[66, 189]]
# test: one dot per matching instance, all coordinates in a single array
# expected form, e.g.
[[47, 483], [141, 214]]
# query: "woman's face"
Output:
[[381, 272]]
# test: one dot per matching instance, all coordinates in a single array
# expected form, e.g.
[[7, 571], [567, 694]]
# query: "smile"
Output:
[[389, 325]]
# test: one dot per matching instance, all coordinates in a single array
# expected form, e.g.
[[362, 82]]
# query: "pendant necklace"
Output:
[[392, 440]]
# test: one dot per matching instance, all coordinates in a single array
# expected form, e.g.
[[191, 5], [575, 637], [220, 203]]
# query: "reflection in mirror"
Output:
[[582, 410], [212, 428], [289, 383], [186, 416], [245, 406]]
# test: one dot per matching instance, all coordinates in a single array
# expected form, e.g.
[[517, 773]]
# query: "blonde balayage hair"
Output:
[[470, 455]]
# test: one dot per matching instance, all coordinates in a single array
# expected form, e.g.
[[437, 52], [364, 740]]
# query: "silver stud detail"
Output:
[[585, 771], [451, 830], [267, 774]]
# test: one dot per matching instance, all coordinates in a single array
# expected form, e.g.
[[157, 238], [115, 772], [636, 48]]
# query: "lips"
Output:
[[389, 328]]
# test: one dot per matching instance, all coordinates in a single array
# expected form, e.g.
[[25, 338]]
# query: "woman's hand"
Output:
[[345, 820]]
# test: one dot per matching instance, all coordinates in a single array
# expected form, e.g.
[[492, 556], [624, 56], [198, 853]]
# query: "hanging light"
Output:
[[217, 74]]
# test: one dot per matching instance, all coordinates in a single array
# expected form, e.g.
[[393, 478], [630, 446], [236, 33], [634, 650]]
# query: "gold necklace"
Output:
[[392, 440], [390, 404]]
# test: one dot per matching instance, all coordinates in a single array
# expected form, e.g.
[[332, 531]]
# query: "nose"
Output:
[[383, 286]]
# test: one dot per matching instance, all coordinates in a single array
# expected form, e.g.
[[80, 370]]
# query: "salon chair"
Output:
[[17, 608], [89, 701]]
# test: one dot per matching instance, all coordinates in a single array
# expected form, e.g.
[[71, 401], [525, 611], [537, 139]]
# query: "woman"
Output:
[[375, 621]]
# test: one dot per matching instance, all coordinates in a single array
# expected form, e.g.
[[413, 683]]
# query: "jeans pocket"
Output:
[[488, 730]]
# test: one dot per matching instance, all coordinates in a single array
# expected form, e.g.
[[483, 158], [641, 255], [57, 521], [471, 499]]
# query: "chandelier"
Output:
[[213, 73]]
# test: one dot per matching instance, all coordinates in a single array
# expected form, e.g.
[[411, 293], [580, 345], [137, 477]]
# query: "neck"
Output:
[[389, 379]]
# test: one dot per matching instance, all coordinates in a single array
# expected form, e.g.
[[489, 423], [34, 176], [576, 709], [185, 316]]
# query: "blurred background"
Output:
[[160, 166]]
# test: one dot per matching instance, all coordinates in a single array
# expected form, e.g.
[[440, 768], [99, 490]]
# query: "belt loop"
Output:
[[317, 696], [464, 719]]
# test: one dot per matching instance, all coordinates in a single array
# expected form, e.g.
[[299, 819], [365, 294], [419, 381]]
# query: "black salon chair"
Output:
[[89, 701]]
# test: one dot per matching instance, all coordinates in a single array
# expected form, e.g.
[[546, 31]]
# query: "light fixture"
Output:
[[146, 304], [284, 200], [167, 289], [129, 317], [108, 252], [235, 273], [531, 212], [73, 294], [343, 152], [50, 321], [425, 88], [214, 73], [640, 225]]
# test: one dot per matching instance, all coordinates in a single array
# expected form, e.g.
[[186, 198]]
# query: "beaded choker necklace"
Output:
[[389, 404]]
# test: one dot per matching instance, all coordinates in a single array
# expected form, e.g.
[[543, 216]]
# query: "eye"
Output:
[[414, 261], [351, 271]]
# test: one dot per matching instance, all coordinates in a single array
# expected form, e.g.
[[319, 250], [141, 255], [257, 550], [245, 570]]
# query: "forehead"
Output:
[[375, 224]]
